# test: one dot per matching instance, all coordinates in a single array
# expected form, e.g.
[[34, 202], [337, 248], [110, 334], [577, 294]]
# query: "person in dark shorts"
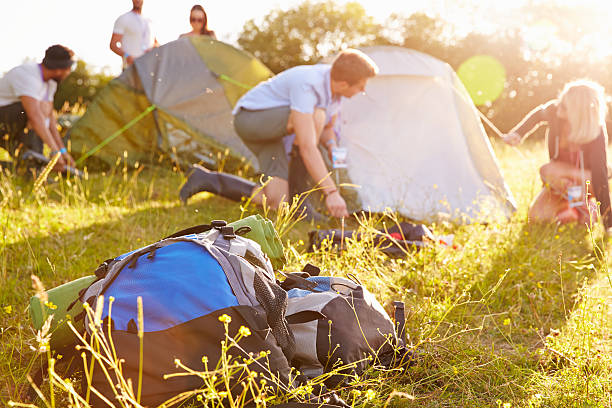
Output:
[[304, 101], [26, 96]]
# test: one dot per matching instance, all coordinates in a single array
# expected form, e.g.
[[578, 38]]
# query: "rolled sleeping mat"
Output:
[[59, 300], [263, 232]]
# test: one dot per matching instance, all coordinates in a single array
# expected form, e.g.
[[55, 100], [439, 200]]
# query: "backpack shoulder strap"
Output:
[[198, 229]]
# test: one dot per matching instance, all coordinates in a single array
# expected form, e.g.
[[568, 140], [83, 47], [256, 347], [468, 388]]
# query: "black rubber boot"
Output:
[[223, 184], [299, 183]]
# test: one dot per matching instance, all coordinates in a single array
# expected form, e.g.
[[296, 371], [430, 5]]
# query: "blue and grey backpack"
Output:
[[191, 278], [186, 283]]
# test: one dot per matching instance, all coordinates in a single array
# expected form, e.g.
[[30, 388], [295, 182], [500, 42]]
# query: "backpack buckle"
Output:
[[227, 232], [218, 224], [311, 270], [102, 269]]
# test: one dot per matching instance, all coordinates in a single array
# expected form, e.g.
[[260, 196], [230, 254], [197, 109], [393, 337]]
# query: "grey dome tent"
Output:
[[175, 100]]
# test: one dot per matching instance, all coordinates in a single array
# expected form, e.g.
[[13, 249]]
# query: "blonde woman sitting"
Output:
[[577, 142]]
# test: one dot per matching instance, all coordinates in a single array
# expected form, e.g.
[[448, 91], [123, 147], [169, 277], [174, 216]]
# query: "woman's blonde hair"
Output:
[[586, 109]]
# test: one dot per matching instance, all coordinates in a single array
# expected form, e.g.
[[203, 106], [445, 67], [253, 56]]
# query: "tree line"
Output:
[[535, 72], [314, 30]]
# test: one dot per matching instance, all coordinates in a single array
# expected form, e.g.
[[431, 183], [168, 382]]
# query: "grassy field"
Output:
[[517, 316]]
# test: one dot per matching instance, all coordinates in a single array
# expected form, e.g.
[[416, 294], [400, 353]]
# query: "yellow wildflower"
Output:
[[244, 331], [225, 318]]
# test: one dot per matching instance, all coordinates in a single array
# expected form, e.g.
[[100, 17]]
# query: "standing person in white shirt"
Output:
[[26, 97], [132, 35]]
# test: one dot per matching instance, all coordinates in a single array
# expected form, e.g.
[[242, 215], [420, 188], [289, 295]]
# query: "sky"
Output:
[[30, 26]]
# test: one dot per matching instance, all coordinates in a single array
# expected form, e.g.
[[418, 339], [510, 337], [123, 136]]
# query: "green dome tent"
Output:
[[176, 99]]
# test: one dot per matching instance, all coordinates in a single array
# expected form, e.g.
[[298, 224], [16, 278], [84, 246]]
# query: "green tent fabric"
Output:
[[193, 83]]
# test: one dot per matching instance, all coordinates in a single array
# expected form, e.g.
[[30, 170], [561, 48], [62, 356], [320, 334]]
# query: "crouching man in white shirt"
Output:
[[305, 101], [26, 97]]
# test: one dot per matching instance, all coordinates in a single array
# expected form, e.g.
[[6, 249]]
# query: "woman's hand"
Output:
[[513, 139]]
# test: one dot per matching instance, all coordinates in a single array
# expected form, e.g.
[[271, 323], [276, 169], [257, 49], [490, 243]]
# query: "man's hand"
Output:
[[336, 205], [513, 139], [68, 159], [129, 59], [60, 166]]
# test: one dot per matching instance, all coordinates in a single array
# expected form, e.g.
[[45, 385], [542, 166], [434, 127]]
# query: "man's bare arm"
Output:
[[306, 137], [37, 121], [115, 39], [48, 111], [305, 134]]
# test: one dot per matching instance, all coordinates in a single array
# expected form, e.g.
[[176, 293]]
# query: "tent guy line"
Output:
[[142, 115], [116, 134]]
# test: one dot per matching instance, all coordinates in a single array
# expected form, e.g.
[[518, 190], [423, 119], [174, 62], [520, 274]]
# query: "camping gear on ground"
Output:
[[187, 283], [62, 302], [416, 144], [340, 327], [182, 94], [181, 319], [255, 227], [394, 241], [263, 232], [223, 184]]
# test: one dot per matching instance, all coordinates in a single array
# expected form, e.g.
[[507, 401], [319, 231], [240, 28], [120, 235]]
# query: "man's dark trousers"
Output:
[[13, 135]]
